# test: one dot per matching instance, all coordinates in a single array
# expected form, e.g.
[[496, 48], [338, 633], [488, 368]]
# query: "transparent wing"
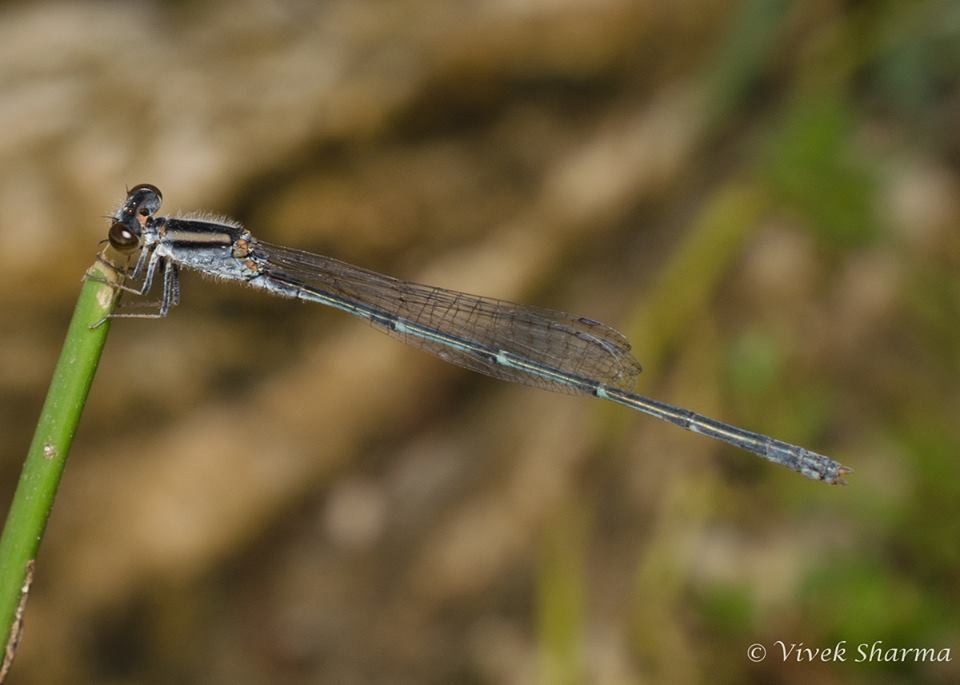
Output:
[[566, 343]]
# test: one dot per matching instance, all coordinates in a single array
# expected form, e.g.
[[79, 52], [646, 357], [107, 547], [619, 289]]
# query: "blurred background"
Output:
[[761, 194]]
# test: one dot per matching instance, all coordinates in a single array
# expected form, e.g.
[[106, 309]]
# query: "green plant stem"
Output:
[[44, 464]]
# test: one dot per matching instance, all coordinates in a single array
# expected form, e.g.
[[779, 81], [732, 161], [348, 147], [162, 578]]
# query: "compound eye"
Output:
[[146, 186], [122, 238], [144, 199]]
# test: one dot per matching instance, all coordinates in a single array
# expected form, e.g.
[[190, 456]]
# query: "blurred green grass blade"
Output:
[[690, 278], [560, 597], [33, 499], [745, 53]]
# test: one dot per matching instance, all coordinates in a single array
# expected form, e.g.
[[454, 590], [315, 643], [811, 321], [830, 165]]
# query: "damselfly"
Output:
[[539, 347]]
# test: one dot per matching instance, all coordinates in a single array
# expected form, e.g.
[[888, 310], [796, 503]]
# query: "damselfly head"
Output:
[[142, 202]]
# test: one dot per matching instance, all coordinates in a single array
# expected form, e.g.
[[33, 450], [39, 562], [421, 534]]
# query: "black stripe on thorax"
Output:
[[192, 232]]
